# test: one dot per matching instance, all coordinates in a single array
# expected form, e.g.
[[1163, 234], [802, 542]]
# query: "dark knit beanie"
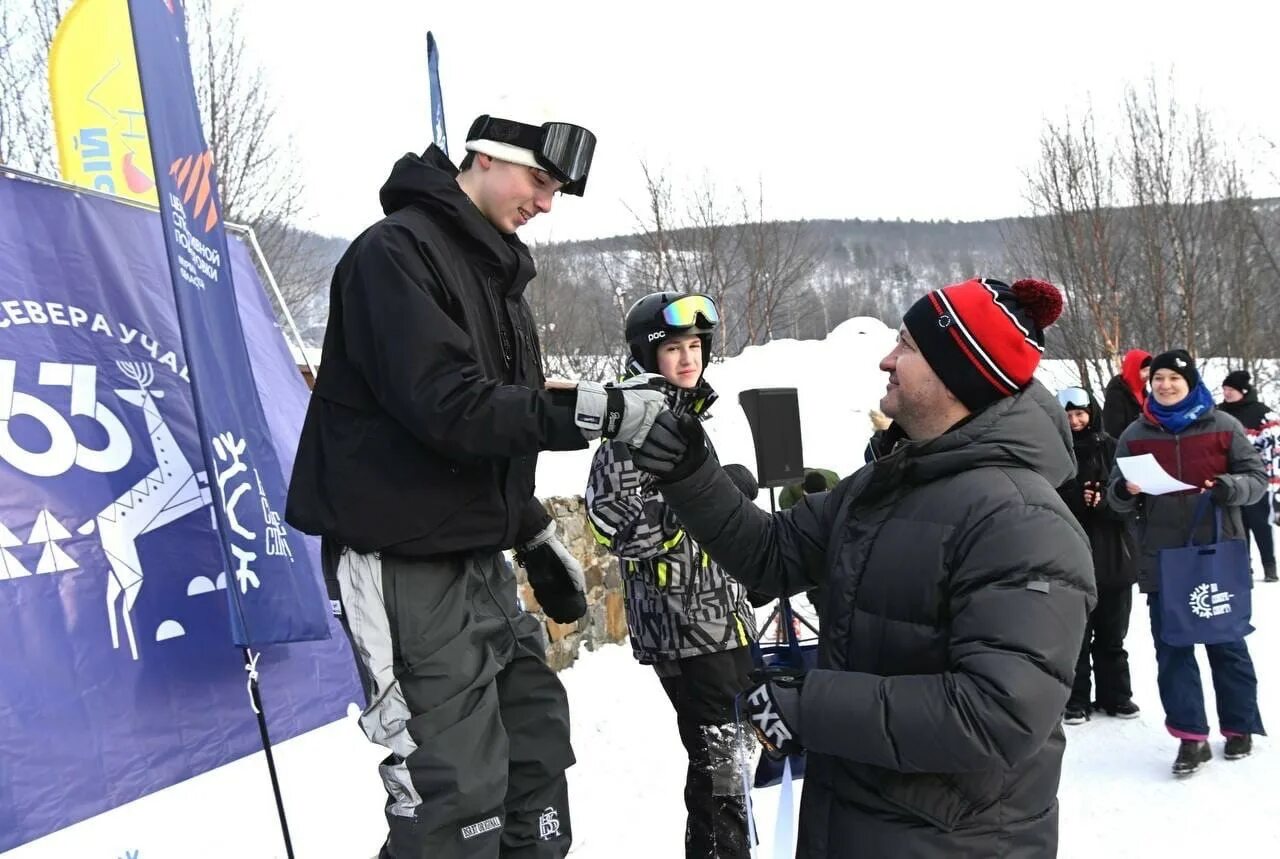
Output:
[[1180, 362], [1240, 380], [982, 337], [815, 481]]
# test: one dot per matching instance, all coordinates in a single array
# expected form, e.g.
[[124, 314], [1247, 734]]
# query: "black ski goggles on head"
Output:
[[563, 150], [1074, 398]]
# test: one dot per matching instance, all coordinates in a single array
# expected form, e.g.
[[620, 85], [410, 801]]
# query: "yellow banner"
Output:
[[97, 102]]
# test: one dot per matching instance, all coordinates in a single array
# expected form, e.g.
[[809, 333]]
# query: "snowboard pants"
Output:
[[1235, 685], [702, 690], [1104, 641], [460, 693], [1257, 523]]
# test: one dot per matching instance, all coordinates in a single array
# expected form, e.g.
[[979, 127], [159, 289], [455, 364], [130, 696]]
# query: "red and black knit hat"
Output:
[[982, 337]]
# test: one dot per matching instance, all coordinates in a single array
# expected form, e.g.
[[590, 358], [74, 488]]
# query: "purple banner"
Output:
[[275, 593], [118, 678]]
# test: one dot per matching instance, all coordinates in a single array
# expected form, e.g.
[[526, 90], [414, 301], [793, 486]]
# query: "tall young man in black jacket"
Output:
[[416, 466]]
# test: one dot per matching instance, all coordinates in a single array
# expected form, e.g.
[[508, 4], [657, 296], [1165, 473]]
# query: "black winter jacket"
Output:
[[1111, 533], [428, 412], [1119, 407], [956, 585]]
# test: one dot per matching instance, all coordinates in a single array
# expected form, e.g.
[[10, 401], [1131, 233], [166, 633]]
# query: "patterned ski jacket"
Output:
[[679, 602], [1262, 427]]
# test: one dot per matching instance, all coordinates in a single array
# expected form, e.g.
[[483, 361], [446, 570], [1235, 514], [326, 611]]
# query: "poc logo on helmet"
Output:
[[657, 335]]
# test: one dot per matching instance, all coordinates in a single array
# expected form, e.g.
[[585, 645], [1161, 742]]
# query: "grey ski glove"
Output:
[[620, 410]]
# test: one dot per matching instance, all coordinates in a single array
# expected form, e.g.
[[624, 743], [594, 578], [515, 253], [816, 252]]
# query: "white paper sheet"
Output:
[[1147, 473]]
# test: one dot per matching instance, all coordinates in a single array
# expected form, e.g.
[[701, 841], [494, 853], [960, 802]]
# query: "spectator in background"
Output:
[[1240, 400], [880, 424], [815, 480], [1126, 393], [1114, 566]]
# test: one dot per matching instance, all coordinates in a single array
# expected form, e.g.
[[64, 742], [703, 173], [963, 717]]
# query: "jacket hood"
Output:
[[1028, 430], [1130, 368], [430, 182]]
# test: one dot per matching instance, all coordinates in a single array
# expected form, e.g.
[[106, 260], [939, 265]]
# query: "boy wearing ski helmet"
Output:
[[687, 619]]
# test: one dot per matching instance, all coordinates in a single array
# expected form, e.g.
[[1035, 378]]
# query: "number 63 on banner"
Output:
[[64, 449]]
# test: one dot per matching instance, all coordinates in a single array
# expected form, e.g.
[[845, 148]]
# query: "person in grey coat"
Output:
[[1206, 448], [955, 586]]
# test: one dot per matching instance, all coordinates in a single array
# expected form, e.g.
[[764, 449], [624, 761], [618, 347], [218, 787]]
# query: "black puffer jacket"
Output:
[[956, 585], [1111, 533], [428, 413]]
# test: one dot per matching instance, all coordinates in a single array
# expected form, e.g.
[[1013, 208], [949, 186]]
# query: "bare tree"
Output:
[[26, 122], [260, 182], [259, 179], [1154, 238], [1077, 240], [780, 259], [580, 332]]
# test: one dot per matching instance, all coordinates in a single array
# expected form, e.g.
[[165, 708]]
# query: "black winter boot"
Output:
[[1269, 573], [1238, 746], [1191, 754], [1075, 714], [1123, 710]]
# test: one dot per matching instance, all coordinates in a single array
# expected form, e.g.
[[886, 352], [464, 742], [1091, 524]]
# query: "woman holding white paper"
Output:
[[1203, 447]]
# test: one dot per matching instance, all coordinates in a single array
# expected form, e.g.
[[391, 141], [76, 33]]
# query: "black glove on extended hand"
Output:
[[555, 576], [674, 448], [773, 709], [743, 479]]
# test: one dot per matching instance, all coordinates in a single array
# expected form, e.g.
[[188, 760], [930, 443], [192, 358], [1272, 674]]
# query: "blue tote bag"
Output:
[[1205, 588], [793, 653]]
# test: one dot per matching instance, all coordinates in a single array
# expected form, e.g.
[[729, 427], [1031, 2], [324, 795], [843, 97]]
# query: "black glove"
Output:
[[743, 479], [555, 576], [674, 448], [620, 410], [773, 709], [1220, 491]]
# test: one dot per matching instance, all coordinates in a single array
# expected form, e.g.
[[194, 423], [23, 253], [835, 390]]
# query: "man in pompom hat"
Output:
[[955, 586]]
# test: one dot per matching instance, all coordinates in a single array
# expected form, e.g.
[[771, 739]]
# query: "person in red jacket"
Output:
[[1126, 393]]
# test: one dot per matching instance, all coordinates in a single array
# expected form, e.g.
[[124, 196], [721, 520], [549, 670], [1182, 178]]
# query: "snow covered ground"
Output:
[[1118, 798]]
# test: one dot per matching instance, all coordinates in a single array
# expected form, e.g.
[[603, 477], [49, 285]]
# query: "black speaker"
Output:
[[774, 417]]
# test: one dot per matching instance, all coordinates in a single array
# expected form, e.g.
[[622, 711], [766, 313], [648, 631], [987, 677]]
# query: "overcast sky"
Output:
[[925, 110]]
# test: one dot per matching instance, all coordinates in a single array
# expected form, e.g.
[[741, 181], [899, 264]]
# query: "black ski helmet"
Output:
[[660, 315]]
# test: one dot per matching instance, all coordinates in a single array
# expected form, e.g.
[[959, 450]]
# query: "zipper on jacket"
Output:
[[498, 316], [1177, 447]]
